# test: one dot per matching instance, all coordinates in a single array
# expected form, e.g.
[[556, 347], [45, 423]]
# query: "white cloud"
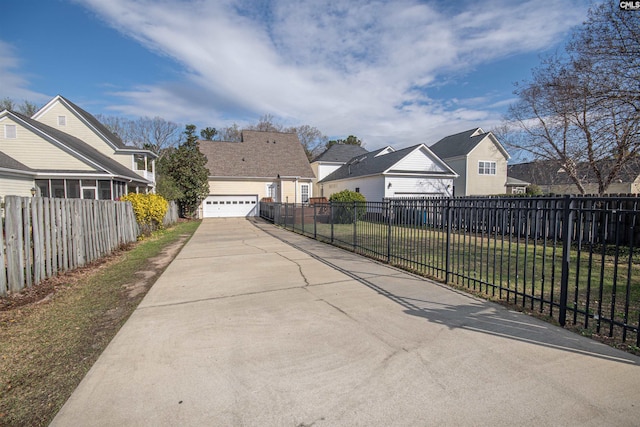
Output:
[[345, 67], [13, 84]]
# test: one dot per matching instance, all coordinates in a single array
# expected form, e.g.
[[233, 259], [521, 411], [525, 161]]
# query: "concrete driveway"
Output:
[[255, 326]]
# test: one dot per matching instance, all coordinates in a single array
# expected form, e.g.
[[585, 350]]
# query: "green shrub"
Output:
[[344, 203], [149, 209], [534, 190]]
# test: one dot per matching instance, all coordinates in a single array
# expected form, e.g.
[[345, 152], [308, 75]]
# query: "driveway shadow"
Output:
[[467, 313]]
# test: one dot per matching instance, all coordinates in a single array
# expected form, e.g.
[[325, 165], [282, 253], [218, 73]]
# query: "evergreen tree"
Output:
[[186, 167]]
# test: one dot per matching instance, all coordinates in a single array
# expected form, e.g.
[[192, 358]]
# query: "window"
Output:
[[104, 190], [57, 188], [486, 168], [10, 131], [140, 162], [304, 189], [88, 193], [73, 189], [271, 191], [357, 189], [62, 120]]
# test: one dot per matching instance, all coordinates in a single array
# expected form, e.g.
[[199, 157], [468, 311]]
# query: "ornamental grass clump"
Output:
[[149, 209]]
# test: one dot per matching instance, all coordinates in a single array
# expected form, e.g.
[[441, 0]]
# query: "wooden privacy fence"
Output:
[[43, 236], [171, 217]]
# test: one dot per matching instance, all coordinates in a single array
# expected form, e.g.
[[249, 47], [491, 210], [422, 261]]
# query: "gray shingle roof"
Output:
[[258, 155], [369, 164], [7, 162], [459, 144], [106, 163], [340, 153], [113, 138], [546, 172]]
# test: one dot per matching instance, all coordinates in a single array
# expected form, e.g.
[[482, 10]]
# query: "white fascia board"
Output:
[[136, 151], [17, 172], [434, 157]]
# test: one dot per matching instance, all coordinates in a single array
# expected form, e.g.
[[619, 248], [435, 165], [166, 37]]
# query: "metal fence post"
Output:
[[302, 217], [388, 231], [567, 222], [355, 220], [447, 266], [331, 218], [315, 222]]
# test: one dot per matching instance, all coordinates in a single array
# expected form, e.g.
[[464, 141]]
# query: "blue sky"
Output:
[[396, 72]]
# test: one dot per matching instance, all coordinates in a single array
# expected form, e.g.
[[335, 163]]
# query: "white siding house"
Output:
[[386, 173]]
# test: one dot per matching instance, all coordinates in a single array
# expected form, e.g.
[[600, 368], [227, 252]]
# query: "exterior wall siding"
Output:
[[460, 183], [292, 191], [418, 160], [15, 186], [37, 153], [614, 188], [417, 187], [76, 127], [372, 188], [486, 184], [232, 187]]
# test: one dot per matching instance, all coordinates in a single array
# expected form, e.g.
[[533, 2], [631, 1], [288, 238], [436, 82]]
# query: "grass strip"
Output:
[[47, 347]]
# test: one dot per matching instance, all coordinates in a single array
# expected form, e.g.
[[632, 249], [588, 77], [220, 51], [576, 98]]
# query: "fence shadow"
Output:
[[474, 315]]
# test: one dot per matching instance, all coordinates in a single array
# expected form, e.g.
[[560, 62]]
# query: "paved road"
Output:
[[255, 326]]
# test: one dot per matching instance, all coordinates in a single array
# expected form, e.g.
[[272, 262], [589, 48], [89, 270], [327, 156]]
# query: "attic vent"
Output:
[[10, 131], [62, 120]]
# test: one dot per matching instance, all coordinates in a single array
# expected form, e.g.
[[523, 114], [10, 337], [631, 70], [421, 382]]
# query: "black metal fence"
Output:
[[574, 259]]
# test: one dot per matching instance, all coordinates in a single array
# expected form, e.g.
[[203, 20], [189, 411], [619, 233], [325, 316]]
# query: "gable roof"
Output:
[[340, 153], [76, 147], [92, 123], [9, 163], [461, 144], [373, 164], [258, 155], [549, 172]]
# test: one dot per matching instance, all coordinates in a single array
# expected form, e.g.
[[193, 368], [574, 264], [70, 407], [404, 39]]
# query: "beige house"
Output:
[[262, 165], [478, 158], [36, 158]]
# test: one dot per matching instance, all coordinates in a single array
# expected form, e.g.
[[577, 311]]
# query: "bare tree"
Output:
[[27, 108], [266, 124], [155, 134], [582, 111], [311, 138], [230, 133]]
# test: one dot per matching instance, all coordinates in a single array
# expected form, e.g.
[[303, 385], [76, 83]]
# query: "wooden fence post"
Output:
[[3, 268], [14, 234]]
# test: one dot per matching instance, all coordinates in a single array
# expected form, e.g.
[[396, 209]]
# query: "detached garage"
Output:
[[262, 164], [230, 206]]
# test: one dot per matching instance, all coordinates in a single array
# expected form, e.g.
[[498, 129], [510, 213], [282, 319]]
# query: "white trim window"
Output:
[[10, 131], [304, 193], [272, 191], [486, 168]]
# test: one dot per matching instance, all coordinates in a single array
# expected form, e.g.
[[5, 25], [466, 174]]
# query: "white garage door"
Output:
[[230, 206]]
